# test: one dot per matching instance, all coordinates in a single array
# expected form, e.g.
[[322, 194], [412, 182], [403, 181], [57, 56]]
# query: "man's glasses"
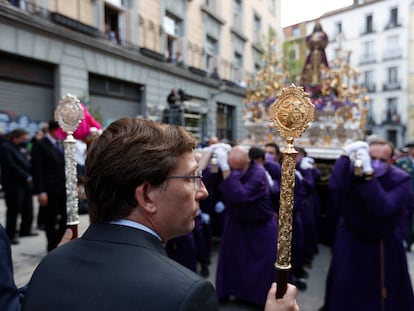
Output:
[[197, 178]]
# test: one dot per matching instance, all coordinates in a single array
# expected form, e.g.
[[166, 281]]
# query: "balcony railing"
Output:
[[370, 87], [367, 58], [394, 53], [391, 86], [391, 117]]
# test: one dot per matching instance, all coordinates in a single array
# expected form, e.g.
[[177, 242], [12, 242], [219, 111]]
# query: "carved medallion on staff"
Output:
[[292, 112]]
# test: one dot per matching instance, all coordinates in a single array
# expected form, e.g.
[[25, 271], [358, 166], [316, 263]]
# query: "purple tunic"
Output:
[[248, 247], [183, 250], [368, 253]]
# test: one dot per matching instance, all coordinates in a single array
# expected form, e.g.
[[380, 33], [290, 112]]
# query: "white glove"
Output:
[[219, 207], [213, 147], [363, 155], [353, 147], [299, 175], [307, 163], [205, 218], [222, 156]]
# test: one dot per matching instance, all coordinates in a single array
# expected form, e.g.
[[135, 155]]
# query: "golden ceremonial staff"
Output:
[[69, 114], [290, 114]]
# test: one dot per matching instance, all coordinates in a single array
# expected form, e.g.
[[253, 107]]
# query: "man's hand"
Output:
[[42, 198], [286, 303], [67, 236]]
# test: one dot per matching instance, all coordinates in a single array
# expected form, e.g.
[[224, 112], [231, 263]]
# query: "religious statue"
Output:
[[316, 60]]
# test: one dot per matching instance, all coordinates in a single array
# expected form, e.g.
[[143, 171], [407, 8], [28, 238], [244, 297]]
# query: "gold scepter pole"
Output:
[[69, 114], [290, 114]]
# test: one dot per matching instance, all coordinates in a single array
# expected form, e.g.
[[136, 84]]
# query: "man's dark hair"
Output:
[[19, 132], [53, 125], [127, 154], [256, 153], [273, 145]]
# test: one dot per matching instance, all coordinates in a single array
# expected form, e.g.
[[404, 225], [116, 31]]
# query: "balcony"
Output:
[[391, 117], [389, 54], [391, 86], [392, 25], [367, 59], [370, 87]]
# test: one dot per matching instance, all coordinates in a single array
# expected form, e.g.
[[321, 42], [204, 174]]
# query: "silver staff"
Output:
[[69, 113]]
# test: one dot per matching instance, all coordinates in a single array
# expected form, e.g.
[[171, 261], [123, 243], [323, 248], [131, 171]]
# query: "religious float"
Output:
[[340, 105]]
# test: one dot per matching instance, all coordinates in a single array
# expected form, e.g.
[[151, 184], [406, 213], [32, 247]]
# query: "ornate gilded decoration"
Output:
[[69, 114], [292, 112], [290, 115], [341, 105]]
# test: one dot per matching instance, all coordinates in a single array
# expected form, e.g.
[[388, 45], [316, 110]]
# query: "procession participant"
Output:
[[369, 267], [407, 164], [245, 268]]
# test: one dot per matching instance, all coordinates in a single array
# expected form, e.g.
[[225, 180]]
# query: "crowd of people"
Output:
[[159, 206]]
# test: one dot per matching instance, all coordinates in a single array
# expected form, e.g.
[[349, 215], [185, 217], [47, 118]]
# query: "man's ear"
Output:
[[144, 195]]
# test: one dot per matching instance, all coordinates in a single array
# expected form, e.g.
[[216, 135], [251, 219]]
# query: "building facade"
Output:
[[123, 58], [375, 36]]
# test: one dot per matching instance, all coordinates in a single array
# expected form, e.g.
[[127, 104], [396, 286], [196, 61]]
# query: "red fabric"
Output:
[[84, 128]]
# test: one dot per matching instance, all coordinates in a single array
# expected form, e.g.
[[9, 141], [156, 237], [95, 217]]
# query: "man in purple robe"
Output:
[[245, 267], [369, 266]]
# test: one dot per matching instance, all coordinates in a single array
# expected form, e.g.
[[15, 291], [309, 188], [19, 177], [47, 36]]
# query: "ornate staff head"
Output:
[[290, 114], [69, 114]]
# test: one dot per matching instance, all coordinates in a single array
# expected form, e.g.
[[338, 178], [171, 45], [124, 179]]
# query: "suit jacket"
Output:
[[15, 167], [114, 267], [9, 294], [48, 166]]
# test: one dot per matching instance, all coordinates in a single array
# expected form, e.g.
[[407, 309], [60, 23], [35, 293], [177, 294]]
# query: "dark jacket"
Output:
[[15, 167], [48, 167], [10, 295], [114, 267]]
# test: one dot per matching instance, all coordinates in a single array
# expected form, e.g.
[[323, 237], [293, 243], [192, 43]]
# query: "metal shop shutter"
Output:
[[111, 109], [27, 99]]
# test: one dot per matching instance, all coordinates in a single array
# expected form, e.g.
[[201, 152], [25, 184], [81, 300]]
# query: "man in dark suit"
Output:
[[48, 166], [16, 180], [143, 187]]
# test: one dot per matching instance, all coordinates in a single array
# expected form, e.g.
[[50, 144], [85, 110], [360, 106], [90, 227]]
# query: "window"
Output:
[[211, 53], [391, 113], [224, 121], [368, 78], [257, 28], [368, 51], [369, 24], [237, 67], [237, 14], [172, 27], [338, 28], [272, 6], [296, 32], [211, 4], [394, 17], [392, 75]]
